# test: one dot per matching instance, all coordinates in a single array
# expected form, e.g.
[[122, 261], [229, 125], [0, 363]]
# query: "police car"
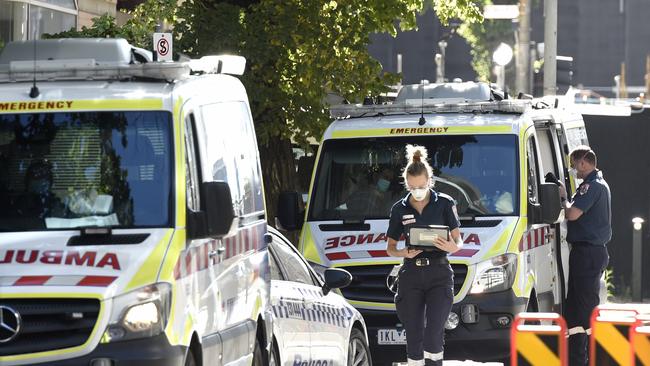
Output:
[[312, 325]]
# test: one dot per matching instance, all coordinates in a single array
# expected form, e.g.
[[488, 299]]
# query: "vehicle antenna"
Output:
[[34, 92], [422, 121]]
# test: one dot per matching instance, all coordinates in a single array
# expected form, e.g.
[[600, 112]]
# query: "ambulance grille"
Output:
[[369, 283], [49, 324]]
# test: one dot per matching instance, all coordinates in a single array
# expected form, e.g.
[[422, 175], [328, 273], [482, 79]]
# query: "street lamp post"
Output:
[[440, 75], [501, 57], [637, 259]]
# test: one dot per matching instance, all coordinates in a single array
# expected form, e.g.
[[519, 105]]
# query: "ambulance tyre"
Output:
[[533, 307], [258, 355], [358, 351]]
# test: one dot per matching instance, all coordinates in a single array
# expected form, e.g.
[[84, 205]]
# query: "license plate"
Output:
[[391, 336]]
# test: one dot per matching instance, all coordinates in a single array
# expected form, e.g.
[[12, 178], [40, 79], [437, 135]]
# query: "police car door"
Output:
[[289, 277], [330, 322]]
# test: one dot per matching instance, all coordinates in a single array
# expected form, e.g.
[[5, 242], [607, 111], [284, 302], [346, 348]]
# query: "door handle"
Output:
[[214, 253]]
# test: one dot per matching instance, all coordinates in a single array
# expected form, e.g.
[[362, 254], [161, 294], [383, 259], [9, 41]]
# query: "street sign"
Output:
[[501, 12], [162, 44]]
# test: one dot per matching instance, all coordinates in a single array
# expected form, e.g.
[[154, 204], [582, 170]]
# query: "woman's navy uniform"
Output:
[[426, 283]]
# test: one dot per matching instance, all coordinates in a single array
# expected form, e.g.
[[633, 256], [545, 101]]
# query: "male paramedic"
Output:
[[589, 230]]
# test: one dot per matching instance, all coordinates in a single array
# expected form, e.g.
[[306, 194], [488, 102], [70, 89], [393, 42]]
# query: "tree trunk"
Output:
[[279, 174]]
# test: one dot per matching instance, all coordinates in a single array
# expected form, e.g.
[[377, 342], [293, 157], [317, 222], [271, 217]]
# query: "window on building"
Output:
[[20, 21]]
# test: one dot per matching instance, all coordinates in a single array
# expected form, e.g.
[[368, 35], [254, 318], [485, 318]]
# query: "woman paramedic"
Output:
[[426, 280]]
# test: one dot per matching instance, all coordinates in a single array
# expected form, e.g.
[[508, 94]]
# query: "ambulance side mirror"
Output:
[[290, 216], [217, 215], [550, 203], [336, 278]]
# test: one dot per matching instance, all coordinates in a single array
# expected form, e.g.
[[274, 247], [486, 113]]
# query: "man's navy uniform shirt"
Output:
[[439, 211], [594, 198]]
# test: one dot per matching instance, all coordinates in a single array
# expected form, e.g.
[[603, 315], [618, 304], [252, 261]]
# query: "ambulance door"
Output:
[[291, 325], [197, 266], [231, 299], [550, 284], [569, 136]]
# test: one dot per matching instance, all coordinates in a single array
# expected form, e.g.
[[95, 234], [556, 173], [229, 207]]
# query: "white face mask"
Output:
[[419, 194]]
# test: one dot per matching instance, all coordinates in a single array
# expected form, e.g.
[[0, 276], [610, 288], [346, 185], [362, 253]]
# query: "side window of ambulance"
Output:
[[231, 154], [576, 136], [191, 163], [296, 269], [531, 153]]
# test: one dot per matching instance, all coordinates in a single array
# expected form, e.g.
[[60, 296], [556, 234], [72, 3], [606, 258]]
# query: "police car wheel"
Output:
[[258, 356], [189, 358], [274, 357], [358, 352]]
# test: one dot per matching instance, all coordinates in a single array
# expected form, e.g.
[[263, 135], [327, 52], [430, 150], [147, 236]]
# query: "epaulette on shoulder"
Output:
[[446, 196]]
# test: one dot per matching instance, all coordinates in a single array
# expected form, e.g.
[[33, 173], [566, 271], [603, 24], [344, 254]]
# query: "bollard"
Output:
[[538, 345], [637, 260], [640, 341], [609, 342]]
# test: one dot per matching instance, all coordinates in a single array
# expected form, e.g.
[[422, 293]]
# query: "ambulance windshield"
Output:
[[67, 170], [360, 179]]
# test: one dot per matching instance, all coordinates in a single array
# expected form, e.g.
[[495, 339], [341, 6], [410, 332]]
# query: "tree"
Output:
[[484, 37], [297, 51]]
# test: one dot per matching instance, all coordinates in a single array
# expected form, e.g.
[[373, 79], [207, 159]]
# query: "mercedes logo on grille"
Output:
[[9, 324]]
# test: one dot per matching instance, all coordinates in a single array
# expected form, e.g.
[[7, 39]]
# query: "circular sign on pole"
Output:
[[163, 46]]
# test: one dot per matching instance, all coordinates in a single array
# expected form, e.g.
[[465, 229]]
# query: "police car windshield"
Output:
[[67, 170], [360, 179]]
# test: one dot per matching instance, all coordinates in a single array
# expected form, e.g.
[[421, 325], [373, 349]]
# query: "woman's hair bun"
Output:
[[415, 153]]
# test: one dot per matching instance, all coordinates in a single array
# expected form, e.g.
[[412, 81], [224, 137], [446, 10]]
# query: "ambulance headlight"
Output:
[[140, 313], [496, 274]]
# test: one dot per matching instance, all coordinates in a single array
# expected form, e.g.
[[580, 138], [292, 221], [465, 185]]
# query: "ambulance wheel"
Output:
[[532, 307], [358, 352], [189, 358], [258, 356]]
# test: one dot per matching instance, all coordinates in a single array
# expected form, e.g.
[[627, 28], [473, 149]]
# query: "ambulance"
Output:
[[132, 227], [493, 155]]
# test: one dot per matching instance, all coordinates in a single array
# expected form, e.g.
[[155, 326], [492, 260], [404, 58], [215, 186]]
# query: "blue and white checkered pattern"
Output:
[[317, 311]]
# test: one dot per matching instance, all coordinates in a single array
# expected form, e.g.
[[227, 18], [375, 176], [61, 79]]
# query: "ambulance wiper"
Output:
[[347, 225], [97, 235]]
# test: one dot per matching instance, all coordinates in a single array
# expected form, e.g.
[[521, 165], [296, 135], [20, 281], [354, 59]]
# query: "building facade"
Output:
[[417, 50], [29, 19]]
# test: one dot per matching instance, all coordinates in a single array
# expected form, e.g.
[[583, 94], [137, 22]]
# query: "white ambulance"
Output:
[[491, 155], [132, 228]]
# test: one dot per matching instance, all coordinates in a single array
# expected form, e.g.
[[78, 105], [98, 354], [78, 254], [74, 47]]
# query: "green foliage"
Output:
[[467, 10], [298, 51], [484, 37]]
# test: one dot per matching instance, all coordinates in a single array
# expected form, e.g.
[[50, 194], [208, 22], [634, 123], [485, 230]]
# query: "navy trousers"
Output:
[[423, 301], [586, 266]]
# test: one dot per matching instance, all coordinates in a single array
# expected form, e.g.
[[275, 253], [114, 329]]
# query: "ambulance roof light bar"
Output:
[[429, 106], [102, 59]]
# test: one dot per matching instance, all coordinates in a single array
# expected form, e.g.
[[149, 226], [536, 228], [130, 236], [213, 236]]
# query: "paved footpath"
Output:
[[464, 363]]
